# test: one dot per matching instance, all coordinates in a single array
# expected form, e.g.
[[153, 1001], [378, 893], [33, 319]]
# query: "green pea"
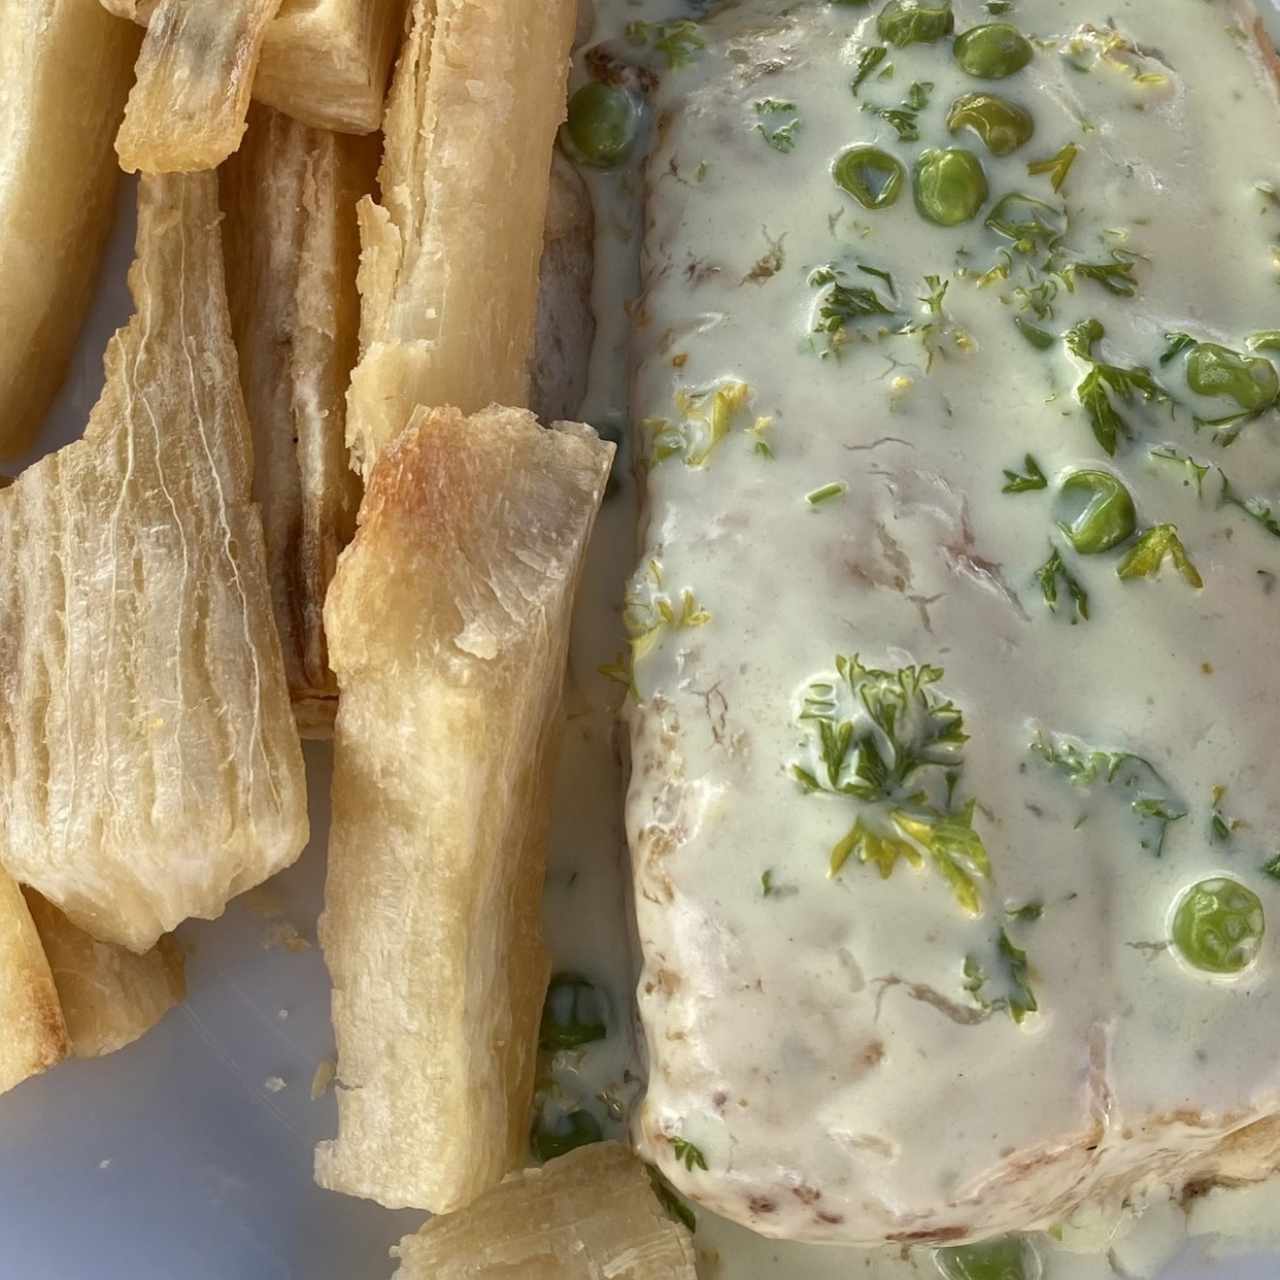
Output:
[[1218, 926], [871, 176], [1100, 512], [1002, 125], [1010, 1258], [573, 1014], [1028, 222], [1250, 381], [904, 22], [993, 50], [950, 186], [603, 124], [551, 1138]]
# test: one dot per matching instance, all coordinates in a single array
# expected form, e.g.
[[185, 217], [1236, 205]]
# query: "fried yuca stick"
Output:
[[65, 71], [150, 768], [590, 1213], [324, 62], [289, 195], [195, 73], [109, 996], [35, 1034], [448, 626], [449, 273]]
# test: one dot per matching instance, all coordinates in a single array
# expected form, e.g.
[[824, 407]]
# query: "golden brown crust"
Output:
[[448, 627]]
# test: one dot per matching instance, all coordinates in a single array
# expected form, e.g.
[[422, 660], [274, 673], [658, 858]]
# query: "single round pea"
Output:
[[1027, 221], [904, 22], [573, 1014], [603, 124], [1218, 926], [1250, 381], [950, 186], [1099, 511], [565, 1133], [993, 50], [1002, 125], [1010, 1258], [871, 176]]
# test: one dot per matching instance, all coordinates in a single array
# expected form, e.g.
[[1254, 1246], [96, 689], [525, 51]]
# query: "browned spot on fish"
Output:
[[762, 1205]]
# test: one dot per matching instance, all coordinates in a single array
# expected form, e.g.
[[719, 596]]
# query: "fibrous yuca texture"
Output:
[[591, 1213], [324, 62], [448, 625], [109, 995], [449, 273], [35, 1034], [195, 73], [292, 248], [65, 72], [150, 768]]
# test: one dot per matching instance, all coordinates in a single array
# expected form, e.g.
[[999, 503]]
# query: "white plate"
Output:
[[173, 1158]]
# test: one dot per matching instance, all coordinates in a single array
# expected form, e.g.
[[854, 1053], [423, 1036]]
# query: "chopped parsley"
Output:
[[890, 741], [1086, 766], [1221, 828], [1153, 547], [843, 304], [1105, 381], [675, 1206], [679, 42], [1115, 277], [1195, 471], [1034, 478], [1057, 166], [781, 137], [1039, 338], [1017, 998], [905, 117], [1272, 868], [868, 60], [1048, 575], [705, 419], [688, 1155]]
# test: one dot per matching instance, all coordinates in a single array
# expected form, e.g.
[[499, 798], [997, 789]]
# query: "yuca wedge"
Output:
[[109, 996], [324, 62], [588, 1214], [149, 764], [448, 625], [65, 71], [292, 248], [449, 273], [195, 73], [35, 1034]]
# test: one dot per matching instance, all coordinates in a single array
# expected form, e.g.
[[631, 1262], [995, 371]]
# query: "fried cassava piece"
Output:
[[195, 73], [589, 1214], [150, 768], [292, 248], [324, 62], [449, 276], [109, 995], [35, 1033], [65, 71], [448, 626]]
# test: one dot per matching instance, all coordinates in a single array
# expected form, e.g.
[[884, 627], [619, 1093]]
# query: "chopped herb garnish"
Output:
[[679, 42], [1084, 766], [844, 304], [1022, 999], [1048, 575], [1029, 913], [1041, 339], [1221, 828], [1057, 166], [559, 1135], [1255, 508], [766, 882], [836, 489], [619, 671], [1196, 471], [688, 1155], [874, 734], [1272, 868], [905, 117], [868, 60], [1153, 547], [1034, 478], [706, 417], [675, 1206], [1104, 380], [780, 137], [1115, 277], [573, 1015]]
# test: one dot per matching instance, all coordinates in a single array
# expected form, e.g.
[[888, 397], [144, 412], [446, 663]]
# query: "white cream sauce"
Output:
[[767, 999]]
